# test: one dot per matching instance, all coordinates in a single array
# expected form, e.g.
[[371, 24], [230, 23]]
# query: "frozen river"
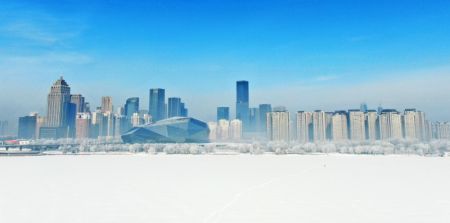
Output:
[[224, 188]]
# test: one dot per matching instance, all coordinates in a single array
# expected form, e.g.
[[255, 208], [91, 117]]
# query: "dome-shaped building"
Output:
[[172, 130]]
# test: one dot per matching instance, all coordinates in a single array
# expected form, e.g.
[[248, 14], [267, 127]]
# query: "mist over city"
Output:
[[224, 111]]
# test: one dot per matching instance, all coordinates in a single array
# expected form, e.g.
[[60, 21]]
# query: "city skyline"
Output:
[[328, 55]]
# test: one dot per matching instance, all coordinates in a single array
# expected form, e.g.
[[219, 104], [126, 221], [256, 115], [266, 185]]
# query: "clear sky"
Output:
[[305, 54]]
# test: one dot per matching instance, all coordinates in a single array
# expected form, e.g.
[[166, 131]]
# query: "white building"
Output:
[[372, 125], [278, 126], [223, 130], [357, 125], [235, 129], [136, 119], [339, 129], [304, 124], [390, 125], [319, 126], [409, 124], [443, 130], [421, 126], [212, 131]]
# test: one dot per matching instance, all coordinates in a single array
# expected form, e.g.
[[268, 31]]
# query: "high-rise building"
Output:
[[329, 125], [372, 125], [304, 127], [174, 107], [157, 105], [107, 104], [58, 104], [242, 103], [223, 113], [131, 107], [212, 131], [421, 126], [390, 125], [136, 119], [339, 127], [83, 125], [319, 126], [442, 130], [409, 124], [235, 129], [253, 120], [40, 122], [223, 130], [278, 125], [184, 110], [79, 102], [357, 125], [263, 110], [27, 126], [3, 128]]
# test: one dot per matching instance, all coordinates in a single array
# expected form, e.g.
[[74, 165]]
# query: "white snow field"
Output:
[[224, 188]]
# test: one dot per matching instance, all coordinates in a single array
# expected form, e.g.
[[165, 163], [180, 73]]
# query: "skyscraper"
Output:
[[27, 126], [235, 129], [357, 125], [253, 120], [363, 107], [174, 107], [319, 126], [184, 110], [79, 102], [409, 124], [242, 103], [107, 104], [223, 113], [58, 104], [157, 106], [263, 110], [278, 125], [421, 126], [83, 125], [304, 127], [372, 125], [131, 107], [390, 124], [339, 127]]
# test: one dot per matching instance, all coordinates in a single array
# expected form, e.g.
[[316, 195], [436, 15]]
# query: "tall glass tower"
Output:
[[131, 107], [157, 105], [242, 102], [174, 107], [223, 113], [263, 110]]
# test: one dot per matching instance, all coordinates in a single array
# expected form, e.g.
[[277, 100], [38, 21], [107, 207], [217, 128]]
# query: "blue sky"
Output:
[[305, 54]]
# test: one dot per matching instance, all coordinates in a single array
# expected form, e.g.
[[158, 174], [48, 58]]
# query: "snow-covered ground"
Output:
[[224, 188]]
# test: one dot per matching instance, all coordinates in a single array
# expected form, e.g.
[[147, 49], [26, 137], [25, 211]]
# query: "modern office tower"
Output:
[[319, 126], [83, 125], [263, 110], [70, 119], [107, 104], [131, 107], [363, 107], [253, 119], [136, 120], [79, 102], [184, 110], [174, 107], [223, 130], [443, 130], [372, 127], [357, 125], [304, 127], [409, 124], [58, 100], [236, 129], [421, 126], [278, 125], [390, 125], [27, 126], [339, 126], [242, 103], [223, 113], [157, 105], [87, 107], [212, 131]]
